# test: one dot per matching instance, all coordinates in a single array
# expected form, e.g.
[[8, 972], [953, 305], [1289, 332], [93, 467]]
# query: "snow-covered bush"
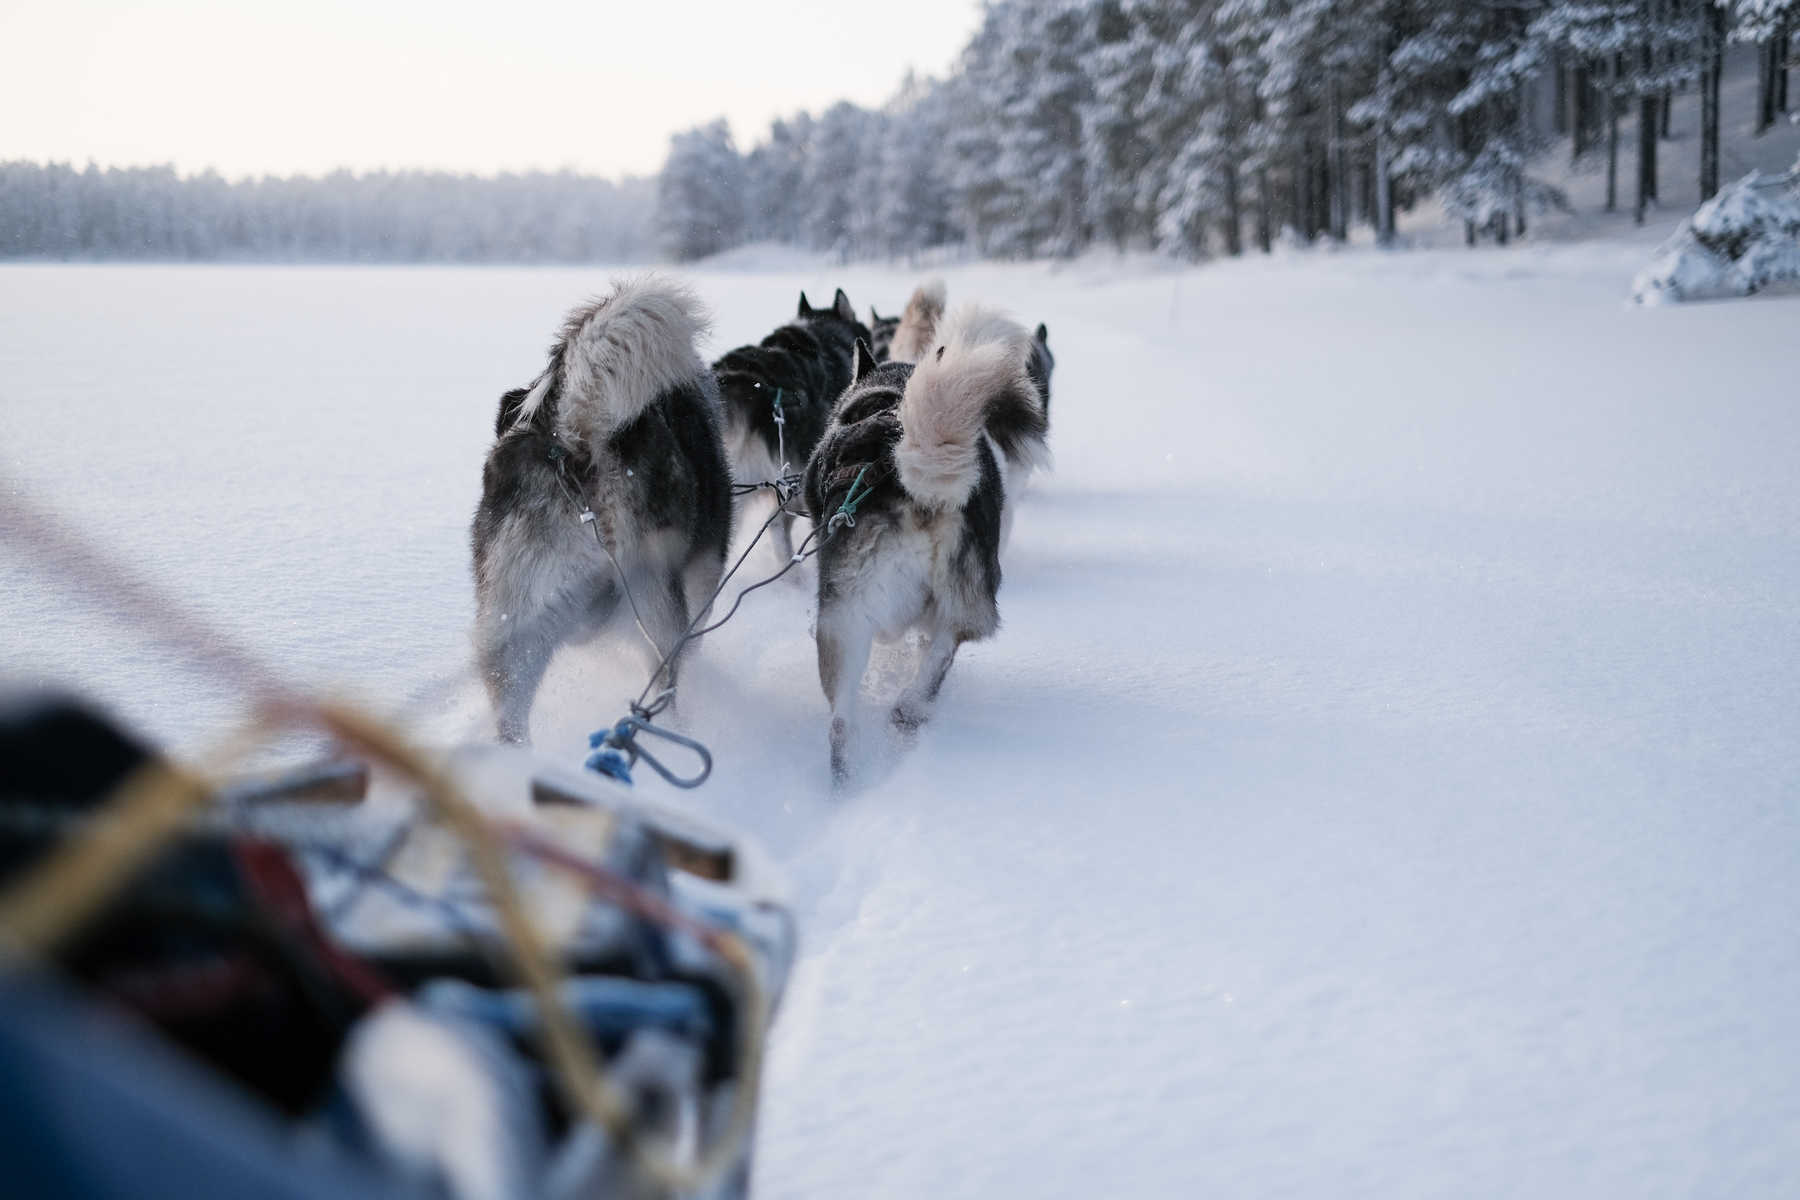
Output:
[[1744, 240]]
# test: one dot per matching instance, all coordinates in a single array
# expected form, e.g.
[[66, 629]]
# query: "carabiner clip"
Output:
[[617, 750], [669, 735]]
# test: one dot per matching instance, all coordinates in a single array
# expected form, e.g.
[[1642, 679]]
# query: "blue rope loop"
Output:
[[611, 764], [617, 750], [615, 753]]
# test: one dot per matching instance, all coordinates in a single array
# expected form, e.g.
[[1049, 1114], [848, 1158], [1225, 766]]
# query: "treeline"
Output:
[[1191, 127], [56, 211], [1203, 126]]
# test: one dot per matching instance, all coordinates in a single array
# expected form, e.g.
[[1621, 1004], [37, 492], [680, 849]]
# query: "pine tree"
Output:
[[1494, 189], [1712, 22], [1199, 105], [1774, 26], [1643, 49], [912, 193], [1120, 69], [834, 171], [1020, 174], [776, 177], [700, 197]]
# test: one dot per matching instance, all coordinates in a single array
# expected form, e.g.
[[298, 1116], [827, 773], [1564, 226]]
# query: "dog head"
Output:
[[881, 333], [841, 310]]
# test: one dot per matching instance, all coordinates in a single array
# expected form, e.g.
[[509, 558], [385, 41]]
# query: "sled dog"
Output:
[[881, 333], [619, 436], [777, 395], [913, 458]]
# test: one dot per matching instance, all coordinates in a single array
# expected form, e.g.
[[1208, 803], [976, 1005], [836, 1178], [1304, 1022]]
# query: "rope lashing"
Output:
[[616, 749], [846, 513]]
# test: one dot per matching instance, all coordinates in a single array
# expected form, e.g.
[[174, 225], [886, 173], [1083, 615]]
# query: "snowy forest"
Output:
[[57, 211], [1196, 127], [1187, 127]]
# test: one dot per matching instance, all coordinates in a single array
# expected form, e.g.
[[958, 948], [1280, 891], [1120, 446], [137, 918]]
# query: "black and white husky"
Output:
[[915, 455], [618, 436], [777, 394]]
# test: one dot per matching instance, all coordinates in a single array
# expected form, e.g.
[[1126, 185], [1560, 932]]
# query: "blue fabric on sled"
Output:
[[94, 1108]]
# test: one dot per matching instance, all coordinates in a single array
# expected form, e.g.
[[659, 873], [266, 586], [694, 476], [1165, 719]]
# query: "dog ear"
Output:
[[508, 416], [840, 303], [874, 317], [1043, 334], [806, 310], [862, 361]]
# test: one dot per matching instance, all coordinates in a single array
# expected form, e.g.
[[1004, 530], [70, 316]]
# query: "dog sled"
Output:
[[467, 975]]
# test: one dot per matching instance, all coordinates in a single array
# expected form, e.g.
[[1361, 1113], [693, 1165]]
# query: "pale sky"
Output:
[[307, 85]]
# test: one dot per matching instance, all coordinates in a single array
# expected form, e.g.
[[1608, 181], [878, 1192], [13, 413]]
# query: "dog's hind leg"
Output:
[[845, 641], [914, 707], [665, 616], [700, 580], [513, 657]]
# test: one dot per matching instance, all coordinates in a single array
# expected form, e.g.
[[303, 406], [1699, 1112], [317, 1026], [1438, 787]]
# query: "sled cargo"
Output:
[[310, 989]]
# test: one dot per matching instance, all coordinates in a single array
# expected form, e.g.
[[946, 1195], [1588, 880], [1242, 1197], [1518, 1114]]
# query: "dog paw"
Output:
[[906, 719]]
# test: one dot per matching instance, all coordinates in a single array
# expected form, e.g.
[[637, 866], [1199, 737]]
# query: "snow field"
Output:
[[1383, 783]]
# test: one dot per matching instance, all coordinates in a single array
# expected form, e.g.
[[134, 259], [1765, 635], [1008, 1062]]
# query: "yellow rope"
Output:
[[72, 883]]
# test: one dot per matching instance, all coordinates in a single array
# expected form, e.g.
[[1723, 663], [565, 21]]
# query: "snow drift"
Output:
[[1744, 240]]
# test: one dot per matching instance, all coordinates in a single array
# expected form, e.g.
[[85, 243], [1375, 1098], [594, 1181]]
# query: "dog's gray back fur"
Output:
[[624, 422]]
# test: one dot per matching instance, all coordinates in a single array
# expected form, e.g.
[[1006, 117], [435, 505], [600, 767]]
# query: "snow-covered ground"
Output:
[[1385, 783]]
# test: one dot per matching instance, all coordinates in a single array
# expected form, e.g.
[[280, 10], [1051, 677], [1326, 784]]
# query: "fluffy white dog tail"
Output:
[[918, 326], [974, 384], [617, 354]]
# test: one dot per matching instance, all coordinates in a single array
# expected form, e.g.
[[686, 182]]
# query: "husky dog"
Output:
[[619, 436], [777, 394], [916, 330], [881, 333], [914, 455]]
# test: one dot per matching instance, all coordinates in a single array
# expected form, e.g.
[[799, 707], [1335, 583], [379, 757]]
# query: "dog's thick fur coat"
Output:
[[926, 444], [624, 423]]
